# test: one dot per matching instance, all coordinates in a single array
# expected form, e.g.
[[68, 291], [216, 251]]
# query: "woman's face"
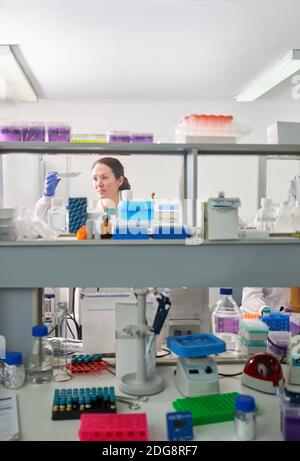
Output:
[[105, 182]]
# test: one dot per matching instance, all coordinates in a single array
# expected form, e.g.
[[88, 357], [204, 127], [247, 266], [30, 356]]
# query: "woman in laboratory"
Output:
[[262, 300], [108, 179]]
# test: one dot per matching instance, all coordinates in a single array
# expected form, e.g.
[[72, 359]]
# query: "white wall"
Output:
[[236, 176]]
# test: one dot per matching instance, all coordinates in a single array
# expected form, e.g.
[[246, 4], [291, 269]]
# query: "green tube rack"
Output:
[[208, 409]]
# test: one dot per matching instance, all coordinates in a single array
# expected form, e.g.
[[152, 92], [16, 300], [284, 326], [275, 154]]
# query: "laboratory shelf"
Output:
[[287, 150], [172, 264]]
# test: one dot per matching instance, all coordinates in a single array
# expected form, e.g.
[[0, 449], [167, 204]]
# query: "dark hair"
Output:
[[117, 168]]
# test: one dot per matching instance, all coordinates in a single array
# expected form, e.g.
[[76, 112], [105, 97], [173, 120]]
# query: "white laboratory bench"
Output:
[[34, 404]]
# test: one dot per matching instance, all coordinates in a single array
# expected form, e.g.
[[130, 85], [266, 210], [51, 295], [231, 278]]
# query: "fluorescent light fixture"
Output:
[[14, 83], [283, 69]]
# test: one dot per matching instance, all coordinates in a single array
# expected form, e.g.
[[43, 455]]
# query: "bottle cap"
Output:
[[39, 330], [49, 295], [226, 291], [13, 358], [245, 403]]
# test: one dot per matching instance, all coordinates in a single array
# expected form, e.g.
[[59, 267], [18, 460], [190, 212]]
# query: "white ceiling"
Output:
[[149, 49]]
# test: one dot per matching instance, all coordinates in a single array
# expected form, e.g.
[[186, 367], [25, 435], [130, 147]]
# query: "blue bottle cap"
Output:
[[226, 291], [13, 358], [245, 403], [39, 330]]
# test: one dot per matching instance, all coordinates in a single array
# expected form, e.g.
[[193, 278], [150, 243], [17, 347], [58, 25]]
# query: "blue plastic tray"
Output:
[[196, 345]]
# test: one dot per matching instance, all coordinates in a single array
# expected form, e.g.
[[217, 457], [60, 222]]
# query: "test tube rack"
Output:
[[72, 403]]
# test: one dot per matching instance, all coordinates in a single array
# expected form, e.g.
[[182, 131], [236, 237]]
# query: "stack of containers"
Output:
[[33, 132], [206, 128], [10, 132], [7, 228], [253, 334], [58, 132], [278, 342], [279, 327], [295, 323], [128, 137]]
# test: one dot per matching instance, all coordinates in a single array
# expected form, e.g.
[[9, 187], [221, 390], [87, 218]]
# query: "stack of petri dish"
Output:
[[7, 229]]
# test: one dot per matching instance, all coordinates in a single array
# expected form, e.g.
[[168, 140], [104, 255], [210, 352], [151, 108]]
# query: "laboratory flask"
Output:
[[57, 218], [40, 362]]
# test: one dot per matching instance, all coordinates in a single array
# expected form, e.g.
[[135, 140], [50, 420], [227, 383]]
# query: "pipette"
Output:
[[71, 174]]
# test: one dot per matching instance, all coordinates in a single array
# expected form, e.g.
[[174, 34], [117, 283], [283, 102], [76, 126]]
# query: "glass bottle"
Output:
[[14, 371], [106, 228], [57, 218], [40, 363], [226, 316], [245, 420]]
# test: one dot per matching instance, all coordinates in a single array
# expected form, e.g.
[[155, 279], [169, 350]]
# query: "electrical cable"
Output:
[[69, 328], [275, 345], [231, 375]]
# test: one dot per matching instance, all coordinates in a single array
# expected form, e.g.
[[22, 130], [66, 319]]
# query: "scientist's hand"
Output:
[[50, 184]]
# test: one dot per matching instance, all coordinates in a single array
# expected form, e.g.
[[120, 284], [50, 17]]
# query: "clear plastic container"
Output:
[[226, 316], [10, 132], [141, 138], [57, 216], [118, 136], [245, 419], [14, 371], [266, 215], [296, 218], [40, 362], [7, 232], [283, 221], [99, 138], [290, 415], [33, 132], [1, 371], [58, 132], [295, 323]]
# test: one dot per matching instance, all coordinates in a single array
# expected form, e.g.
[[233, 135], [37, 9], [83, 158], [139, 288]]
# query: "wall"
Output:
[[236, 176]]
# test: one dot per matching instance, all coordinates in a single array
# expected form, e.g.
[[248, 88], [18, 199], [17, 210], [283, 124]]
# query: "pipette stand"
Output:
[[62, 373], [142, 382]]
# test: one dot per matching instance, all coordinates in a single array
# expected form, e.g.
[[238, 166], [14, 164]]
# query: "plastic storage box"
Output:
[[10, 132], [141, 138], [118, 136], [290, 415], [58, 132], [277, 322], [33, 132]]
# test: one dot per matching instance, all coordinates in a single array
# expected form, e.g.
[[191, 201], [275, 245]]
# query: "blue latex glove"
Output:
[[50, 184]]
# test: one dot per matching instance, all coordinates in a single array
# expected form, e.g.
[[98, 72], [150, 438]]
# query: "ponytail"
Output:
[[125, 185]]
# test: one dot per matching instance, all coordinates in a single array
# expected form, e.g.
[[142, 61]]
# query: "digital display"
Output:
[[179, 424]]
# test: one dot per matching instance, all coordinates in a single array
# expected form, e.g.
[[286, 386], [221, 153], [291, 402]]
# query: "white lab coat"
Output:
[[256, 298]]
